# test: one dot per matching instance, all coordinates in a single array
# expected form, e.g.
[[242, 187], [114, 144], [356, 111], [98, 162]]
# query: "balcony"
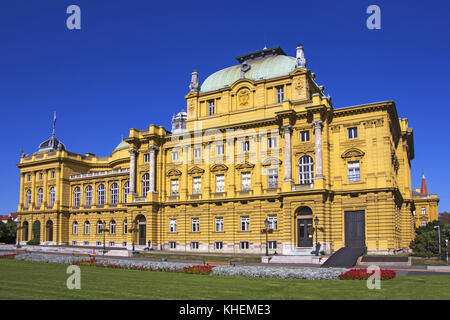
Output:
[[172, 198], [99, 174], [196, 196], [302, 187]]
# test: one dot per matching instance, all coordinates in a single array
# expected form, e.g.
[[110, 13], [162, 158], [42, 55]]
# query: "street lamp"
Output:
[[104, 230], [439, 239], [266, 223], [133, 230], [18, 227], [316, 222]]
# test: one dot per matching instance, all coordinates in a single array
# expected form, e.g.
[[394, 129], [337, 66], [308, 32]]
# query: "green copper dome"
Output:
[[122, 145], [265, 68]]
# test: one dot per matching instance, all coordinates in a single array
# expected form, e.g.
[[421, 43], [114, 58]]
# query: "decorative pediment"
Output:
[[272, 161], [219, 167], [173, 172], [352, 153], [196, 170], [244, 165]]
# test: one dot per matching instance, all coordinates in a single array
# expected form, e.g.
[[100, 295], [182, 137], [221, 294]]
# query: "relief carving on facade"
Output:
[[244, 98]]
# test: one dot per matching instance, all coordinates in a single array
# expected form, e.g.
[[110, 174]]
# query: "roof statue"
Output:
[[300, 59], [194, 85]]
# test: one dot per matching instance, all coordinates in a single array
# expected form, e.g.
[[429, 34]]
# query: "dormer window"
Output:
[[352, 132], [246, 146], [280, 94], [211, 108]]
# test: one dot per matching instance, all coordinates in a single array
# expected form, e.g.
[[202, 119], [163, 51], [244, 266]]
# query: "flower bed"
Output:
[[362, 274], [198, 269], [7, 256]]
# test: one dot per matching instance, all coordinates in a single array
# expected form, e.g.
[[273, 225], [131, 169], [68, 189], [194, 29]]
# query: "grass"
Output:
[[178, 256], [31, 280], [419, 261]]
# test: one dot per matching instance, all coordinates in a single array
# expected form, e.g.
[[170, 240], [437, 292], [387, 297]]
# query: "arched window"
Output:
[[101, 194], [52, 196], [126, 191], [99, 227], [87, 227], [40, 197], [145, 184], [75, 227], [112, 227], [306, 170], [88, 196], [125, 227], [114, 193], [28, 199], [25, 231], [76, 197]]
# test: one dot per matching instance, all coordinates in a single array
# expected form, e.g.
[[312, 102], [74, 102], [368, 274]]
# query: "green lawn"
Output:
[[30, 280]]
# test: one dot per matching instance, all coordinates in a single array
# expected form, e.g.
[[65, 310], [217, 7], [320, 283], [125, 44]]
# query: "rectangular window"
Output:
[[194, 245], [174, 187], [173, 225], [196, 185], [172, 245], [218, 245], [304, 136], [86, 243], [352, 132], [98, 243], [197, 153], [125, 227], [272, 244], [124, 244], [219, 224], [220, 183], [219, 149], [245, 223], [273, 178], [246, 146], [174, 155], [53, 175], [246, 181], [75, 228], [272, 143], [195, 225], [111, 243], [146, 157], [353, 171], [29, 177], [74, 243], [424, 212], [211, 109], [280, 94], [40, 176], [244, 245], [272, 221]]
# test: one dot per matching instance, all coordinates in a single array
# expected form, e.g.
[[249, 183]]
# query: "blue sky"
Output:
[[129, 66]]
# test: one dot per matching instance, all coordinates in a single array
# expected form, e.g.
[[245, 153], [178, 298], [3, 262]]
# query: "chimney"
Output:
[[423, 188]]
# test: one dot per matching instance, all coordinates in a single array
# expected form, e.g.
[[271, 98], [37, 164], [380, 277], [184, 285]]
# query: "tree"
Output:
[[8, 232], [426, 241], [444, 217]]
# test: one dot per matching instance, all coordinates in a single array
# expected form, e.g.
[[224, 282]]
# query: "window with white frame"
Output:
[[306, 170], [244, 245], [246, 181], [74, 243], [218, 245], [111, 244], [87, 227], [195, 225], [53, 175], [76, 197], [352, 132], [174, 187], [86, 243], [424, 211], [101, 194], [40, 197], [220, 183], [114, 193], [125, 227], [145, 184], [174, 155], [28, 198], [88, 196], [353, 171], [197, 153], [146, 157], [219, 149], [52, 196], [272, 142], [246, 146], [211, 107], [126, 191], [112, 227], [124, 244], [194, 245], [272, 218], [245, 223], [99, 227], [273, 178], [272, 244], [173, 225], [29, 177], [41, 176], [219, 224], [196, 185], [280, 94], [98, 243], [75, 227], [304, 136], [172, 245]]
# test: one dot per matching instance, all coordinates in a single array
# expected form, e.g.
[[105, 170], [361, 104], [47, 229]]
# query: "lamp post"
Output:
[[266, 223], [316, 222], [439, 239], [18, 227], [104, 230], [133, 230]]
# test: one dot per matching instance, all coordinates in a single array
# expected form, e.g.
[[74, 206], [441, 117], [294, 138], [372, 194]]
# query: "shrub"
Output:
[[7, 256], [198, 269], [362, 274], [33, 242]]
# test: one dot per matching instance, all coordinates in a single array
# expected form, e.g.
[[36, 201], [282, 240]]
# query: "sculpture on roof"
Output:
[[300, 59]]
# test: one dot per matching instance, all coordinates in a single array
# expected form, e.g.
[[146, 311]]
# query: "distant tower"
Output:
[[423, 187]]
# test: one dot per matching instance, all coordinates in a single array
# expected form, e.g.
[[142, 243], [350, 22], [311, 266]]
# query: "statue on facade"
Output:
[[300, 59]]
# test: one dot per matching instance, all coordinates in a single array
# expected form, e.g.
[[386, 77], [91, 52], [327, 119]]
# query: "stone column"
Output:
[[133, 154], [318, 124], [287, 130], [152, 169]]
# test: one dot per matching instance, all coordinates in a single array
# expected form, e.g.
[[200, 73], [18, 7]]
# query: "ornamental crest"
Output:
[[244, 97]]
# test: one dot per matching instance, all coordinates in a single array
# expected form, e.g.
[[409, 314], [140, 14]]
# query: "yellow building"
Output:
[[426, 205], [259, 141]]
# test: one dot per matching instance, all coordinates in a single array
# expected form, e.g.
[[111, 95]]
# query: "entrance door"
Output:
[[142, 231], [355, 229], [49, 230], [304, 234]]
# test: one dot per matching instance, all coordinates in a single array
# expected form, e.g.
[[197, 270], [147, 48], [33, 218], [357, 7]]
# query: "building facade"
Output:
[[260, 145], [426, 205]]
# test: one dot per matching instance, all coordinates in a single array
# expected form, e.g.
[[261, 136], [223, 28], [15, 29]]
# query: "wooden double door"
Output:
[[304, 232], [355, 229]]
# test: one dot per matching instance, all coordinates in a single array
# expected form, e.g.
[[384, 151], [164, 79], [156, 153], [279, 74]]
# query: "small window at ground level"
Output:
[[244, 245], [218, 245]]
